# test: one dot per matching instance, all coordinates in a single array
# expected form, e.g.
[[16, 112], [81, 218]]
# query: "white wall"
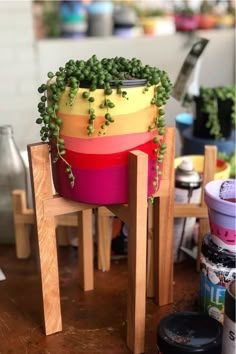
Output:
[[18, 74]]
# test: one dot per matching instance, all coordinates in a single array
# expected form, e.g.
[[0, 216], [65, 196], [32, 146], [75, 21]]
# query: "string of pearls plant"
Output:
[[110, 75], [211, 98]]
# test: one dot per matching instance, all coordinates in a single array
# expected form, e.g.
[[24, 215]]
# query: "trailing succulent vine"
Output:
[[109, 75], [211, 98]]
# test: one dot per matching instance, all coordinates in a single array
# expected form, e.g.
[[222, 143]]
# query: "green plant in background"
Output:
[[106, 74], [206, 7], [231, 159], [210, 102], [51, 19], [150, 12], [231, 8], [184, 9]]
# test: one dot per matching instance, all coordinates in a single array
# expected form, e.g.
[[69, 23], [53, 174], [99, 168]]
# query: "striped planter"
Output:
[[100, 162], [222, 213]]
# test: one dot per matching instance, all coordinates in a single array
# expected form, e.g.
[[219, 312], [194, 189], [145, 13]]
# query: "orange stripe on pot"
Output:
[[105, 144], [136, 122]]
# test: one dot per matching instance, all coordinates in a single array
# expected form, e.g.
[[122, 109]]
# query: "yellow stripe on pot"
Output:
[[135, 122], [137, 100]]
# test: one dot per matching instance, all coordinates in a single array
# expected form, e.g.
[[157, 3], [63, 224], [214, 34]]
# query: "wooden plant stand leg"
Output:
[[42, 189], [210, 157], [163, 227], [137, 245], [62, 236], [135, 216], [150, 247], [163, 242], [85, 250], [104, 238], [23, 218]]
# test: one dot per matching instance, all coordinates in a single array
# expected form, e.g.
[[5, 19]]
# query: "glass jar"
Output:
[[12, 176]]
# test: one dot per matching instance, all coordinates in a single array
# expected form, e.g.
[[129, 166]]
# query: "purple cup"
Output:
[[222, 213]]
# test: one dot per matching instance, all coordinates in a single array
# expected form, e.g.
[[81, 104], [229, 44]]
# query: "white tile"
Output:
[[17, 6], [12, 37], [7, 54], [18, 20]]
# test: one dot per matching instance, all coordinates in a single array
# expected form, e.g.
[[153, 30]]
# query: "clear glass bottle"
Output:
[[12, 176]]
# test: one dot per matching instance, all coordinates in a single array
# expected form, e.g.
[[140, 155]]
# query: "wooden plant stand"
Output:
[[47, 206], [52, 210]]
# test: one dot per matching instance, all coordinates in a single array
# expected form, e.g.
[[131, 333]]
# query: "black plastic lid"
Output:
[[217, 255], [189, 332], [125, 83]]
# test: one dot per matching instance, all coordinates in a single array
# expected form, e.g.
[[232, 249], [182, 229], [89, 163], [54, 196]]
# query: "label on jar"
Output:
[[212, 298], [229, 344], [213, 279]]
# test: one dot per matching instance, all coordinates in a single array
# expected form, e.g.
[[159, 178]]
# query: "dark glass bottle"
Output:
[[12, 176]]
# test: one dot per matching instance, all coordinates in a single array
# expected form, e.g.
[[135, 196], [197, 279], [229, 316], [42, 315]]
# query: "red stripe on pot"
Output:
[[94, 161], [113, 144], [99, 186]]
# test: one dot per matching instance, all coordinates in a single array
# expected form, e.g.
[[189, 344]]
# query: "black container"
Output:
[[125, 83], [229, 344], [200, 130], [189, 332]]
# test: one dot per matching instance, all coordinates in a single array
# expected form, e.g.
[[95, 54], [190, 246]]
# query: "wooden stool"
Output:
[[48, 206]]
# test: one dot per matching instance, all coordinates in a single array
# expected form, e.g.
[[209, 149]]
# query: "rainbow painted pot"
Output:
[[100, 162]]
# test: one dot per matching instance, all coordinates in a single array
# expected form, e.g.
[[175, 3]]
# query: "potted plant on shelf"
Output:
[[92, 113], [215, 115], [156, 21], [225, 15], [206, 16], [186, 19]]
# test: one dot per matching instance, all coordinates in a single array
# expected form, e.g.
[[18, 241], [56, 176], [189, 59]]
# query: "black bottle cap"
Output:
[[189, 332]]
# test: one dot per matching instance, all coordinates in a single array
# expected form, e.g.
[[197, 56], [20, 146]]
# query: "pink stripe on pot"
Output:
[[101, 186], [222, 215], [222, 236], [111, 144]]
